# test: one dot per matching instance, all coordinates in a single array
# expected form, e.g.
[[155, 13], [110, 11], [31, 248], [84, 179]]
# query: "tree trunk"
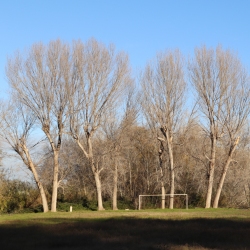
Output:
[[32, 167], [95, 170], [130, 180], [247, 194], [163, 199], [56, 161], [43, 197], [163, 191], [41, 189], [172, 177], [115, 188], [99, 190], [221, 182], [172, 174], [55, 182], [223, 176], [211, 173]]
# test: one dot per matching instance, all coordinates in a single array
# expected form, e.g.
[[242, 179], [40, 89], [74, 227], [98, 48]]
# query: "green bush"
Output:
[[122, 204], [196, 200], [17, 196], [89, 204]]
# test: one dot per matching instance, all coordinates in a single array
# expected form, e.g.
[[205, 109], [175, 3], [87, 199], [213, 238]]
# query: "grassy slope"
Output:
[[150, 229]]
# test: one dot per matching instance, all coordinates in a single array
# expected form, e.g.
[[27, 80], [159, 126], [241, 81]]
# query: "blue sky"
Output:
[[140, 27]]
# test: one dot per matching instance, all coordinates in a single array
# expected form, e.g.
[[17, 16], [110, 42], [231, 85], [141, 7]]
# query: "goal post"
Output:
[[148, 195]]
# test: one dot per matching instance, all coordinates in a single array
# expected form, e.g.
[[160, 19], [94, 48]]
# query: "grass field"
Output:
[[149, 229]]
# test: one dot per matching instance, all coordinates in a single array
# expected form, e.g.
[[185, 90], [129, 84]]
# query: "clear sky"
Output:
[[140, 27]]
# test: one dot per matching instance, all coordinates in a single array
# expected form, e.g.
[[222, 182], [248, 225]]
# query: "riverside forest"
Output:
[[94, 135]]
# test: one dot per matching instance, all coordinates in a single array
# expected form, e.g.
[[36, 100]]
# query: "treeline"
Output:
[[109, 138]]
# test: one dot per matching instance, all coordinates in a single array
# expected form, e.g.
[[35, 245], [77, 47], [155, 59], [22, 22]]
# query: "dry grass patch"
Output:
[[174, 230]]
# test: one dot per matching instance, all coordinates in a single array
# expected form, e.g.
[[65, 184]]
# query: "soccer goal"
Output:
[[157, 198]]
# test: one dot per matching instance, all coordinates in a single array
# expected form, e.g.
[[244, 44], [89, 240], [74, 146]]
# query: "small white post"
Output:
[[70, 208]]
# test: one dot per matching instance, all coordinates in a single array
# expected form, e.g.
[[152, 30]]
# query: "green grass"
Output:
[[146, 229]]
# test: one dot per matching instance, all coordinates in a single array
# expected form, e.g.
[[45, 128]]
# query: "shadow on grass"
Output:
[[126, 233]]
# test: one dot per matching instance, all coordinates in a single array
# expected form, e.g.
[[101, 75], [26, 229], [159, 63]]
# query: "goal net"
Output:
[[154, 201]]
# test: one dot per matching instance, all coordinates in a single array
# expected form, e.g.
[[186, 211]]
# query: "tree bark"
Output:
[[96, 172], [28, 161], [172, 174], [163, 192], [115, 188], [55, 182], [40, 187], [43, 197], [223, 175], [99, 190], [130, 180], [211, 172]]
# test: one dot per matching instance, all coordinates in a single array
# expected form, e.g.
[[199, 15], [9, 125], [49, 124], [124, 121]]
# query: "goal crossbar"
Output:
[[142, 195]]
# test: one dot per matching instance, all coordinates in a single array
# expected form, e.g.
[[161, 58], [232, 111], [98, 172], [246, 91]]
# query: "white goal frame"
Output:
[[141, 195]]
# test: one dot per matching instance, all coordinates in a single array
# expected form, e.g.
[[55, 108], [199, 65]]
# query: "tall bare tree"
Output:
[[15, 126], [42, 80], [116, 130], [216, 80], [163, 87], [102, 75], [235, 110]]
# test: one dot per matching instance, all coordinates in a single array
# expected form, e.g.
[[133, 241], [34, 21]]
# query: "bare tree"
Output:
[[42, 80], [215, 77], [15, 127], [163, 98], [235, 110], [102, 76], [116, 130]]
